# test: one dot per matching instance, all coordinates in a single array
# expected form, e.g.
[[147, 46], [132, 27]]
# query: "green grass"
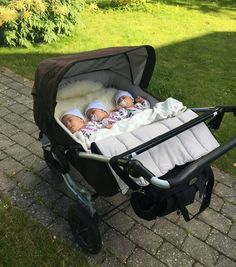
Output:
[[195, 45], [25, 243]]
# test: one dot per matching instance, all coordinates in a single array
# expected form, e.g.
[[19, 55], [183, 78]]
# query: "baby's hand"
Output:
[[138, 99], [109, 126]]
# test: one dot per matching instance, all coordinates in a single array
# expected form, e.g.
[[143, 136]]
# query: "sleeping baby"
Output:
[[97, 112], [75, 122], [125, 100]]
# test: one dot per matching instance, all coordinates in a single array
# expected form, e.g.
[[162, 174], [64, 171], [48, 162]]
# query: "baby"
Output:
[[97, 112], [125, 100], [74, 121]]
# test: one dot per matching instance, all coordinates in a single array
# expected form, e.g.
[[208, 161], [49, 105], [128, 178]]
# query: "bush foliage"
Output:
[[26, 22]]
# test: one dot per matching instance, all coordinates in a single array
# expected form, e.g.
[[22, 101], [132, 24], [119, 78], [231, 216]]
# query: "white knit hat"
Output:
[[121, 93], [73, 111], [96, 104]]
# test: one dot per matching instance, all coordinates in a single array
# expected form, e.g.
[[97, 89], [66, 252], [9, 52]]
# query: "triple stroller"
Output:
[[174, 155]]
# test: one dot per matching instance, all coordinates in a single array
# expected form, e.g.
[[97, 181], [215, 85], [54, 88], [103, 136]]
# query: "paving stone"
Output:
[[5, 71], [34, 163], [36, 149], [131, 213], [23, 138], [173, 217], [41, 214], [62, 205], [61, 230], [17, 152], [4, 111], [10, 166], [117, 199], [6, 80], [216, 202], [141, 259], [21, 199], [169, 231], [222, 243], [227, 193], [28, 127], [46, 193], [223, 177], [26, 90], [118, 244], [225, 262], [16, 85], [111, 261], [14, 119], [2, 155], [28, 180], [3, 87], [145, 238], [55, 180], [200, 251], [18, 78], [102, 206], [11, 93], [103, 228], [18, 108], [6, 101], [35, 135], [5, 183], [8, 129], [99, 258], [29, 84], [170, 255], [29, 115], [229, 210], [195, 227], [232, 231], [197, 264], [216, 220], [25, 100], [5, 142], [121, 222], [2, 121]]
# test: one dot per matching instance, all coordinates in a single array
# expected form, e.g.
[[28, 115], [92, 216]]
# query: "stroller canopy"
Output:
[[134, 63]]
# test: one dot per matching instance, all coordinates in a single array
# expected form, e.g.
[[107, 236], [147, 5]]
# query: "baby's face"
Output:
[[126, 101], [73, 123], [96, 114]]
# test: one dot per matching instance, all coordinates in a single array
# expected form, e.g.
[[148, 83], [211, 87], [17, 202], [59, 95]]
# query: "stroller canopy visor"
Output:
[[135, 63]]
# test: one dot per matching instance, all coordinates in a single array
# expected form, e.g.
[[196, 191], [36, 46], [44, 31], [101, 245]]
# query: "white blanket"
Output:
[[162, 110]]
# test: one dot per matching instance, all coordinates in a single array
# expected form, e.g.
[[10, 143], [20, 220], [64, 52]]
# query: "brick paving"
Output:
[[209, 240]]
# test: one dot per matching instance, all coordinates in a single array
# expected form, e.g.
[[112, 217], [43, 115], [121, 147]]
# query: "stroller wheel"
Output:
[[85, 229]]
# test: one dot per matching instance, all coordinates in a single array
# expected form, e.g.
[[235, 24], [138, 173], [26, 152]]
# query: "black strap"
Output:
[[206, 197]]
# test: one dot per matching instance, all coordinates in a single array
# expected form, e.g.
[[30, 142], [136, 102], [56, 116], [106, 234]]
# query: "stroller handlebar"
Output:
[[137, 169]]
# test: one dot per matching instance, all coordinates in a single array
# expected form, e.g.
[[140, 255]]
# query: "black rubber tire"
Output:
[[84, 229]]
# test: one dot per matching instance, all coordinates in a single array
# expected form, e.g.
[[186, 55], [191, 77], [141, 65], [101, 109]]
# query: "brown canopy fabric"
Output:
[[136, 63]]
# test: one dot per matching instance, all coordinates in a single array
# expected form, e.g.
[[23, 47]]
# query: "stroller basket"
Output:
[[173, 190]]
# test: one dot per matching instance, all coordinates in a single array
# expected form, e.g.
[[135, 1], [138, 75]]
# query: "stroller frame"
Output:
[[57, 155]]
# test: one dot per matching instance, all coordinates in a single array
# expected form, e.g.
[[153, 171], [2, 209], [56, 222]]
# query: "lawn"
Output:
[[25, 243], [195, 45]]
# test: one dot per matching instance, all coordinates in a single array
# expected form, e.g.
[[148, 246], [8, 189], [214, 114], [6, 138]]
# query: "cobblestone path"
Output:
[[209, 240]]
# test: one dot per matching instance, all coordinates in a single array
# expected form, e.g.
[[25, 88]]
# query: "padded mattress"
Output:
[[185, 147]]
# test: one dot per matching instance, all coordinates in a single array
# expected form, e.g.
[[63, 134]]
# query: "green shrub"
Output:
[[26, 22]]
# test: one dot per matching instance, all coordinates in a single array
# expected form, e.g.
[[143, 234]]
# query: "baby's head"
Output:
[[124, 99], [73, 120], [96, 111]]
